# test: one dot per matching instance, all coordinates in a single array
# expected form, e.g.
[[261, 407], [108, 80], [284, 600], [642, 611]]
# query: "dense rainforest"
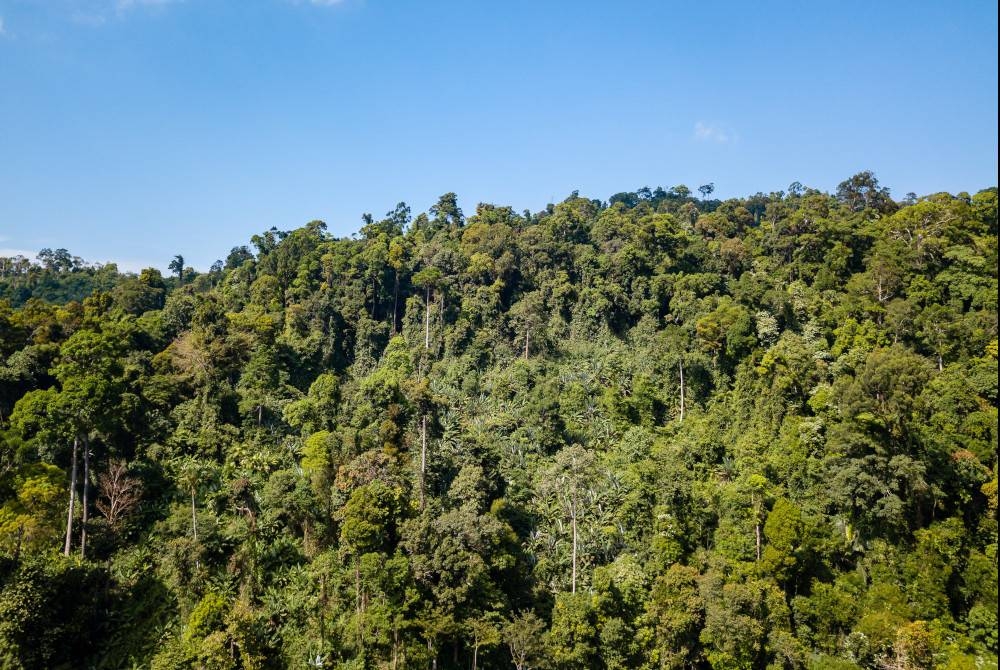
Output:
[[658, 431]]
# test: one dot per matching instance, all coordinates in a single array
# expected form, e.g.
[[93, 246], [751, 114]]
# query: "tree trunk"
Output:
[[573, 520], [423, 456], [72, 500], [756, 530], [86, 496], [475, 656], [527, 340]]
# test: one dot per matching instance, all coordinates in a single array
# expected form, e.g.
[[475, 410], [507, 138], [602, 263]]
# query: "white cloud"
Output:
[[706, 131]]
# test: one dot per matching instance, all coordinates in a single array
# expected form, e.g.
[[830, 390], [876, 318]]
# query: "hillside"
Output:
[[657, 431]]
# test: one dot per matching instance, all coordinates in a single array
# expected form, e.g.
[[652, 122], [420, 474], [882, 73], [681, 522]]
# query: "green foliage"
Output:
[[52, 613], [656, 432], [572, 642]]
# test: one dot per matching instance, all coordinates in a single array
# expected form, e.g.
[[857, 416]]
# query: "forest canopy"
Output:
[[657, 431]]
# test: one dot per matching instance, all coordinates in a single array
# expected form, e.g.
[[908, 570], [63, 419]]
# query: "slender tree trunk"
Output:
[[681, 366], [475, 656], [756, 530], [573, 521], [527, 340], [423, 456], [86, 495], [72, 500]]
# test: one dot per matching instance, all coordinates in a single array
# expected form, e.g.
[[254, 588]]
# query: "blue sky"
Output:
[[132, 130]]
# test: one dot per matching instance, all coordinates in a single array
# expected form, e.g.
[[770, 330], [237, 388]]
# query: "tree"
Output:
[[523, 637], [485, 633], [190, 474], [398, 260], [937, 325], [567, 482], [52, 419], [119, 492], [783, 530], [572, 642], [673, 617], [142, 294], [447, 211], [706, 190], [177, 265], [429, 278], [528, 315], [862, 191]]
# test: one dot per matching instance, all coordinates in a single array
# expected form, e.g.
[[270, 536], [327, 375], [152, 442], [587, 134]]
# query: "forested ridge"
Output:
[[658, 431]]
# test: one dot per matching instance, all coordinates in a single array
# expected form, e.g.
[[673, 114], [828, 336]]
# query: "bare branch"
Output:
[[120, 493]]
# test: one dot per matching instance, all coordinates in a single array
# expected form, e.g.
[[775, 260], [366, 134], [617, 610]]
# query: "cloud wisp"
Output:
[[715, 133]]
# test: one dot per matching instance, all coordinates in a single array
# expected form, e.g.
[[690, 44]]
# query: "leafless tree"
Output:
[[120, 493]]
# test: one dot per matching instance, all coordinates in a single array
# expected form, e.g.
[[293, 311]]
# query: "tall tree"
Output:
[[177, 265]]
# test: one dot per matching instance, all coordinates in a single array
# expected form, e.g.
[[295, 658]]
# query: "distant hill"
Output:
[[654, 431]]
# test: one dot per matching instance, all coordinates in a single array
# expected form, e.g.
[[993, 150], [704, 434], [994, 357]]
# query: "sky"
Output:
[[134, 130]]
